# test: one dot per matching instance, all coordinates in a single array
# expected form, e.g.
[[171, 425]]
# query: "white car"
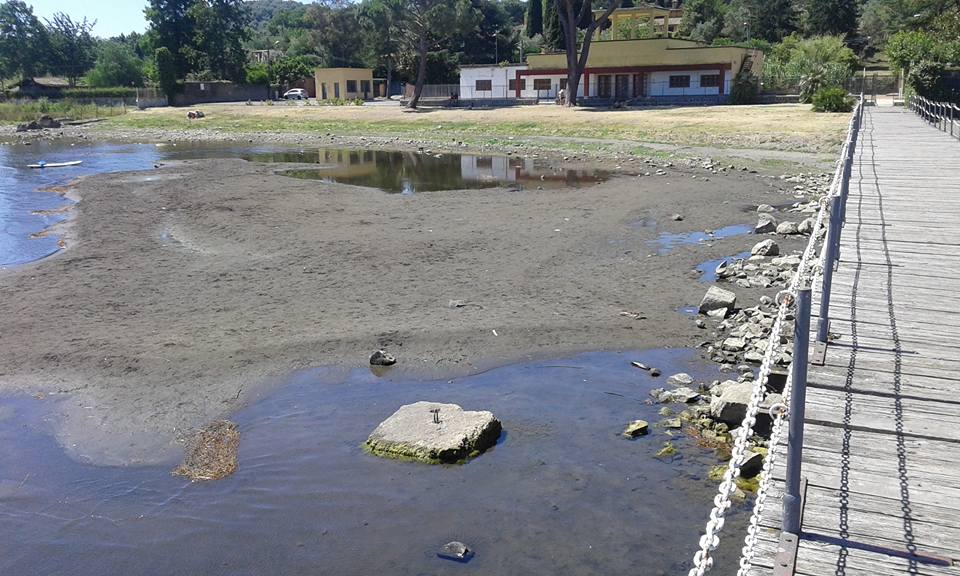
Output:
[[295, 94]]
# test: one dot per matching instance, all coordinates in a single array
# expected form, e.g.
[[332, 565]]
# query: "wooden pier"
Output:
[[881, 449]]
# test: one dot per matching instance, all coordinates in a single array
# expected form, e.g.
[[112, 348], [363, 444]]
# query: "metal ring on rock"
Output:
[[779, 409]]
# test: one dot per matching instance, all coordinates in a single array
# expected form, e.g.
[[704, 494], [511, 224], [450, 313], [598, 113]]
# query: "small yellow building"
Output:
[[347, 83]]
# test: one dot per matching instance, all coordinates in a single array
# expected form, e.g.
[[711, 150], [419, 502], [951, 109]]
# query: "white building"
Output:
[[485, 82]]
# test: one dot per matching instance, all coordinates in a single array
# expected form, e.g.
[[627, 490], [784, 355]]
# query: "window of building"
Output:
[[484, 85], [541, 83], [513, 84], [336, 89], [680, 81], [709, 80], [351, 86]]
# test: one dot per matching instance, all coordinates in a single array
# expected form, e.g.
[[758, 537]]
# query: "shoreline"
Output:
[[145, 338]]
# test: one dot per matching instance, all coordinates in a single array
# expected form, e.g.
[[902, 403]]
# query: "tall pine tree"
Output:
[[552, 32], [534, 18]]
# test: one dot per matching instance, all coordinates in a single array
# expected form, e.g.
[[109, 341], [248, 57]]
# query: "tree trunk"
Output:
[[577, 62], [421, 70], [386, 91]]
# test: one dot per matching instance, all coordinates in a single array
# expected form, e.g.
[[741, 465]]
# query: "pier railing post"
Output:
[[831, 245], [793, 498]]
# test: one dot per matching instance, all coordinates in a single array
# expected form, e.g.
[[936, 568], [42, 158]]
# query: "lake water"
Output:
[[562, 493], [25, 212]]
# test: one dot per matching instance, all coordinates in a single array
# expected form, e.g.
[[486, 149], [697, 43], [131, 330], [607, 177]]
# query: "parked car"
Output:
[[295, 94]]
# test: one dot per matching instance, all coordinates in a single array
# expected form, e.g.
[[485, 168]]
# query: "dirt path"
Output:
[[187, 290]]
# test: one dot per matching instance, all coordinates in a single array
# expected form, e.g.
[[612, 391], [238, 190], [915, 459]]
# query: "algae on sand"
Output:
[[211, 454]]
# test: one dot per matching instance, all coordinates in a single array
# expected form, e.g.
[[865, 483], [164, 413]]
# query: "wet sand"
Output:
[[187, 291]]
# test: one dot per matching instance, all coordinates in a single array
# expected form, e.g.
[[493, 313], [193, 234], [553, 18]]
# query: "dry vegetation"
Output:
[[780, 127]]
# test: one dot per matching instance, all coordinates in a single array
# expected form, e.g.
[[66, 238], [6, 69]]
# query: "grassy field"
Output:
[[17, 112], [778, 127]]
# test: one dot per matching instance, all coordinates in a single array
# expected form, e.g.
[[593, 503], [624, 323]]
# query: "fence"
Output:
[[795, 299], [943, 115]]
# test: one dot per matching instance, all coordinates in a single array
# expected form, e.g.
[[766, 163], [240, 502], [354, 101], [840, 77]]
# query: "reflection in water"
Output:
[[563, 492], [408, 172]]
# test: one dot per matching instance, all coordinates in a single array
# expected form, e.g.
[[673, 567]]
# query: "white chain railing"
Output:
[[710, 540]]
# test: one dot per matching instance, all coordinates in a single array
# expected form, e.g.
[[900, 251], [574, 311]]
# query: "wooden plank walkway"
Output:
[[882, 431]]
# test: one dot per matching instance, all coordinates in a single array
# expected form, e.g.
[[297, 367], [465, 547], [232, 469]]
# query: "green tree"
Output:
[[906, 48], [831, 17], [572, 16], [290, 69], [534, 24], [72, 50], [428, 23], [736, 22], [552, 29], [771, 20], [116, 65], [171, 27], [702, 19], [219, 30], [166, 72], [23, 41], [381, 22]]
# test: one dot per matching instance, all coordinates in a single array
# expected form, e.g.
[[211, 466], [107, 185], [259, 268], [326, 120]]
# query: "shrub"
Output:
[[744, 88], [106, 92], [166, 72], [924, 78], [832, 100]]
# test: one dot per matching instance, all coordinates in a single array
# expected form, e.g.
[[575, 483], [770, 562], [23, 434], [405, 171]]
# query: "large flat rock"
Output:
[[433, 432]]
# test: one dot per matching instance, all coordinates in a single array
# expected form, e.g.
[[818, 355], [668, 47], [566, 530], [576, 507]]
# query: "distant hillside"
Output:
[[261, 11]]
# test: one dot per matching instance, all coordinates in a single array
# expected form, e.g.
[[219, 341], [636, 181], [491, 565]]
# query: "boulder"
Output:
[[636, 428], [765, 248], [805, 226], [681, 395], [734, 344], [680, 379], [764, 209], [434, 433], [787, 228], [765, 223], [730, 406], [382, 358], [752, 464], [717, 298]]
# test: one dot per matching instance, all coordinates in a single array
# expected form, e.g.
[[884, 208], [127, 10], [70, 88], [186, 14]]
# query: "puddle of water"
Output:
[[667, 241], [708, 269], [24, 211], [409, 172], [562, 492]]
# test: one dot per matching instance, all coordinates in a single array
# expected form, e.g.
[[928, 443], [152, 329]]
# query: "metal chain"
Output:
[[710, 540]]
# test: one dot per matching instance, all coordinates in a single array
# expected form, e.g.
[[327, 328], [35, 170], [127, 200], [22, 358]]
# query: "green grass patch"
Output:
[[25, 111]]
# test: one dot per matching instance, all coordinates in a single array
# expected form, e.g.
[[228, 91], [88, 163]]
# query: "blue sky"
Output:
[[113, 16]]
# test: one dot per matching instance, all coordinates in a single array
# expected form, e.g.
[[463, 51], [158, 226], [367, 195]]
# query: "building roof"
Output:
[[511, 65]]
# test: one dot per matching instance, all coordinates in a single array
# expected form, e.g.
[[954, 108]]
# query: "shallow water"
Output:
[[410, 172], [666, 242], [24, 211], [562, 493], [708, 269]]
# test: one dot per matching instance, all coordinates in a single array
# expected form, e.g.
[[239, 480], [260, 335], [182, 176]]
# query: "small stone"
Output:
[[680, 379], [655, 372], [734, 344], [765, 223], [805, 226], [682, 395], [677, 217], [765, 248], [673, 423], [636, 428], [764, 208], [382, 358], [666, 411], [700, 323], [457, 551], [667, 451]]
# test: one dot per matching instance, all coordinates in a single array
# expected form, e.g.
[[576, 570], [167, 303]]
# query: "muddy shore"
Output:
[[188, 290]]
